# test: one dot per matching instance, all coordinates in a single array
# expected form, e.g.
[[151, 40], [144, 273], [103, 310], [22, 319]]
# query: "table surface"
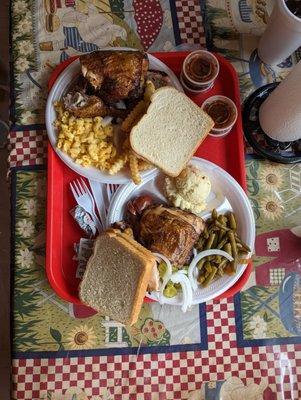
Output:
[[248, 345], [5, 360]]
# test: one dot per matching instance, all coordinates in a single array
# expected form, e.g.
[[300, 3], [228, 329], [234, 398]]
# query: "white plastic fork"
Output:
[[84, 198]]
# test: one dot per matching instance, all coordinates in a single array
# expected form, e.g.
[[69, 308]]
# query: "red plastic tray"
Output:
[[62, 230]]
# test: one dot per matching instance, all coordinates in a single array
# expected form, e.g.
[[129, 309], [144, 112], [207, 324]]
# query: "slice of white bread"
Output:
[[153, 284], [117, 277], [171, 131]]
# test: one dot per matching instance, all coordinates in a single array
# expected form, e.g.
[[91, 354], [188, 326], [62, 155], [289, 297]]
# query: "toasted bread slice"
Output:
[[116, 278], [153, 284], [155, 278], [132, 242], [171, 131]]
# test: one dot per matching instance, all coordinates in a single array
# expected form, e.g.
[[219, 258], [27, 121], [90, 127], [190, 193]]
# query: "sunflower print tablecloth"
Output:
[[246, 346]]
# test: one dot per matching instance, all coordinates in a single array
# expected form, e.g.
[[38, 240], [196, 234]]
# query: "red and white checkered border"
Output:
[[27, 148], [190, 21], [167, 375]]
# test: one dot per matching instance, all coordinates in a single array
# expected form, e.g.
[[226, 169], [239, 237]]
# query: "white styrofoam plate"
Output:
[[57, 92], [226, 195]]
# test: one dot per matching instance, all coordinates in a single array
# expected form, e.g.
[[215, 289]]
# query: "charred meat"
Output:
[[82, 102], [171, 232], [166, 230], [116, 75], [82, 105]]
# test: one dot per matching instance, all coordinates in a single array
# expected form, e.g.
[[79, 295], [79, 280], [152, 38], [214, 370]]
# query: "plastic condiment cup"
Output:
[[190, 90], [190, 80], [223, 131]]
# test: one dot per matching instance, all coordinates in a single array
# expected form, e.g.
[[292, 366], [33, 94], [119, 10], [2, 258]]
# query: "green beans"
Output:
[[222, 243], [215, 241], [244, 246], [232, 221], [233, 243], [222, 219], [205, 233], [200, 243], [210, 241], [223, 263], [221, 226], [220, 233], [208, 266], [210, 277], [214, 214], [201, 263], [218, 259], [227, 248], [233, 265]]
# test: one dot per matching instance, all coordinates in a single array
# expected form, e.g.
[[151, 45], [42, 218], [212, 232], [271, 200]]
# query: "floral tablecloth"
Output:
[[246, 347]]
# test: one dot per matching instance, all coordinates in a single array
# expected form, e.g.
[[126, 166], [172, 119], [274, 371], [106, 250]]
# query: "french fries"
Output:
[[134, 167], [89, 143], [149, 91], [134, 116]]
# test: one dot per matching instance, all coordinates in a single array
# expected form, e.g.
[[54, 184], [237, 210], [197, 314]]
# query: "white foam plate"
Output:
[[57, 92], [226, 195]]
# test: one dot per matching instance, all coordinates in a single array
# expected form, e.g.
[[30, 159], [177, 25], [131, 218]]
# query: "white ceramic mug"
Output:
[[282, 35]]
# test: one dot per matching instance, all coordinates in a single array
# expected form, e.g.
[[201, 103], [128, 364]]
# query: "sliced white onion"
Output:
[[195, 253], [106, 120], [182, 271], [182, 279], [196, 259], [120, 105], [168, 272]]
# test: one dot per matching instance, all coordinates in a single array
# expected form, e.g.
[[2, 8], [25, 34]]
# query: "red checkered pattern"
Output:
[[190, 21], [27, 148], [170, 375], [278, 364]]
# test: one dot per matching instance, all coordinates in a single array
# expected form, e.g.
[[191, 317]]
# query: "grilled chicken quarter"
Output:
[[117, 75], [163, 229]]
